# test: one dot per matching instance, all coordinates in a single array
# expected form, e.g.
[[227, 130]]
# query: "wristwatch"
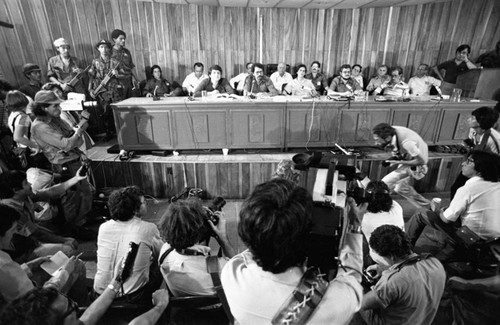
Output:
[[112, 287], [354, 229]]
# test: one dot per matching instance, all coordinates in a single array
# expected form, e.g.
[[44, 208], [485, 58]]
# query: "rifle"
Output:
[[104, 82], [72, 83]]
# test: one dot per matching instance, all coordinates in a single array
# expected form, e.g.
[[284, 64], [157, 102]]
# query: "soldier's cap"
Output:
[[103, 41], [30, 67], [47, 97], [61, 42]]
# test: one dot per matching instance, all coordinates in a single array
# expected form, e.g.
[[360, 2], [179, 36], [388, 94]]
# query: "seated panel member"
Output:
[[274, 224], [381, 77], [421, 84], [395, 87], [410, 287], [160, 86], [319, 80], [240, 79], [194, 78], [214, 85], [258, 83], [281, 78], [344, 85], [356, 75], [183, 265], [300, 86], [475, 205]]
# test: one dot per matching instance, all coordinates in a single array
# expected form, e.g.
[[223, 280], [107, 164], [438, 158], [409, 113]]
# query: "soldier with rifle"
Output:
[[105, 83]]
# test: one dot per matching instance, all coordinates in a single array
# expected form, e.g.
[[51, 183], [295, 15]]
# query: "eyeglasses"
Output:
[[469, 161], [72, 306]]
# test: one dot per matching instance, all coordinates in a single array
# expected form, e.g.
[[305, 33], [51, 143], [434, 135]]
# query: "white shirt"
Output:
[[300, 88], [477, 204], [113, 243], [191, 81], [255, 295], [240, 79], [411, 143], [422, 86], [279, 81], [372, 221], [187, 275]]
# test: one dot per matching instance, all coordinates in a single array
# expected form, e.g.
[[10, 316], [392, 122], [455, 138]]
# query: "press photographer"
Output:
[[185, 227]]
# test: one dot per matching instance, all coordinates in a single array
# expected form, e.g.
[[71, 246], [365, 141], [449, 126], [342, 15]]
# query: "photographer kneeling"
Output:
[[185, 227]]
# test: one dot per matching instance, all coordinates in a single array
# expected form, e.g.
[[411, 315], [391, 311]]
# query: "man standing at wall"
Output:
[[62, 68], [122, 55]]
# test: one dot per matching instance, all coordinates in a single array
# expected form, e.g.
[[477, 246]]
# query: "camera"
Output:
[[396, 156], [216, 205], [360, 195], [85, 168], [128, 262], [89, 104]]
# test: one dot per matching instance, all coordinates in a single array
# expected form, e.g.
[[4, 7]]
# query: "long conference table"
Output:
[[280, 122]]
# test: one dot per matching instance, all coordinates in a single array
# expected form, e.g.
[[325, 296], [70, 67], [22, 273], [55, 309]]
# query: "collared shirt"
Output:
[[187, 275], [300, 88], [222, 86], [164, 87], [477, 204], [191, 81], [255, 295], [377, 81], [57, 69], [262, 85], [410, 143], [240, 79], [279, 81], [113, 244], [452, 70], [320, 81], [125, 58], [422, 86], [340, 85], [56, 138], [409, 294]]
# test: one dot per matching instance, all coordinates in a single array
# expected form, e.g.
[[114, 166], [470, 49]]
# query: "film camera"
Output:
[[215, 205], [397, 156]]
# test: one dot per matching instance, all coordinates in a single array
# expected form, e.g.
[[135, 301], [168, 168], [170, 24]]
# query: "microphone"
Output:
[[154, 91]]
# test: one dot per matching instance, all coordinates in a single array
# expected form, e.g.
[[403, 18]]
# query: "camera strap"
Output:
[[213, 269]]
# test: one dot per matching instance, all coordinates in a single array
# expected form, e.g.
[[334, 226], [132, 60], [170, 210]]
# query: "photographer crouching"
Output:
[[59, 143], [186, 227]]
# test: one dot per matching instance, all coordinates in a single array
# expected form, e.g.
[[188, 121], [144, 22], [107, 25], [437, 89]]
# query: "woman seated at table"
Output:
[[453, 68], [381, 77], [300, 86], [215, 84], [158, 86]]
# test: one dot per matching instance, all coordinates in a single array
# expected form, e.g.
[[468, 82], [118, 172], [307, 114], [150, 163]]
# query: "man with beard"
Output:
[[62, 68], [344, 85], [33, 73], [395, 86], [421, 84], [318, 79], [258, 83], [410, 153]]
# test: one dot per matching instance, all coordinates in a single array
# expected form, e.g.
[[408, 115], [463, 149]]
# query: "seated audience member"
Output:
[[258, 83], [158, 86], [410, 286], [46, 306], [186, 230], [490, 59], [382, 209], [475, 301], [238, 82], [274, 224], [194, 78], [281, 78], [395, 87], [34, 75], [215, 84], [381, 77], [356, 75], [482, 136], [300, 86], [126, 207], [16, 280], [17, 192], [344, 85], [475, 205], [453, 68], [319, 80], [421, 84]]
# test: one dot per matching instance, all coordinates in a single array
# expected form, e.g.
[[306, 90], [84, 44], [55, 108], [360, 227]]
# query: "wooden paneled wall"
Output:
[[176, 36]]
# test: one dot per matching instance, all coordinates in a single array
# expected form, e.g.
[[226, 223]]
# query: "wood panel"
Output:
[[175, 36]]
